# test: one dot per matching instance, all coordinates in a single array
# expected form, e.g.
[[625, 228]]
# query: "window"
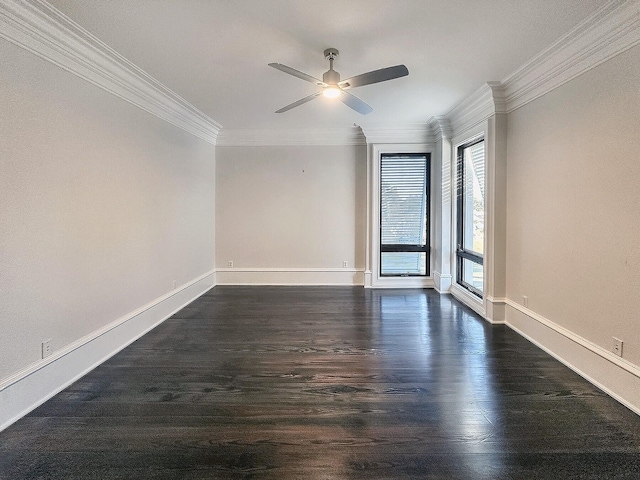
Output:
[[470, 216], [404, 215]]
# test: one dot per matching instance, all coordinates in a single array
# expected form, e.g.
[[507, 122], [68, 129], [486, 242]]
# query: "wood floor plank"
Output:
[[326, 383]]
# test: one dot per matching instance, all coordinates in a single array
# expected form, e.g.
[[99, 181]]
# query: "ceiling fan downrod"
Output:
[[331, 77]]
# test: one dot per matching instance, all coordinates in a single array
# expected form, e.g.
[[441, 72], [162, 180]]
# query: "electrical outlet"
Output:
[[345, 264], [46, 348], [230, 263], [525, 301], [617, 346]]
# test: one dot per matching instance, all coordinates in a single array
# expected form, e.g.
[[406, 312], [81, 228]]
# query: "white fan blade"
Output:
[[355, 103], [375, 76], [299, 102], [297, 73]]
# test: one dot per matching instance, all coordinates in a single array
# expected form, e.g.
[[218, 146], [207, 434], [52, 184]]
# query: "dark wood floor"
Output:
[[326, 383]]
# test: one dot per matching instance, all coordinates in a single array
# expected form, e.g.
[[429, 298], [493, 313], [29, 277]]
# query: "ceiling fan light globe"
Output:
[[331, 92]]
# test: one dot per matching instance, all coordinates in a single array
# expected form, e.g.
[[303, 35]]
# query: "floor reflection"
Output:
[[326, 382], [444, 350]]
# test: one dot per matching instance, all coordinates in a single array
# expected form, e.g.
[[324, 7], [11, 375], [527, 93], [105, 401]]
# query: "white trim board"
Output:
[[290, 137], [407, 133], [495, 310], [614, 375], [374, 156], [440, 128], [610, 31], [290, 276], [29, 388], [468, 299], [442, 282], [485, 102], [381, 133], [403, 283], [39, 28]]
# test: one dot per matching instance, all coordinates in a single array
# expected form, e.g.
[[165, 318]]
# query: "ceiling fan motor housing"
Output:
[[333, 88], [331, 77]]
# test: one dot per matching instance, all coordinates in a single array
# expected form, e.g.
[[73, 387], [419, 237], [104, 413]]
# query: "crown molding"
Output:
[[414, 133], [407, 133], [41, 29], [440, 127], [290, 137], [485, 102], [610, 31]]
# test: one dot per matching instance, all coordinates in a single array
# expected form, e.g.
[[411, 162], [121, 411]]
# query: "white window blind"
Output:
[[403, 214]]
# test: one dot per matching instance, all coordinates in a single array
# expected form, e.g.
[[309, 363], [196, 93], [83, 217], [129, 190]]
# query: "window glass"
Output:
[[404, 214], [470, 216], [404, 263], [474, 198], [473, 274]]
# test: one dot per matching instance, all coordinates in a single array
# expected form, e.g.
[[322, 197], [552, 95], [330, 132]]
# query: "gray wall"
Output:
[[290, 207], [573, 205], [104, 206]]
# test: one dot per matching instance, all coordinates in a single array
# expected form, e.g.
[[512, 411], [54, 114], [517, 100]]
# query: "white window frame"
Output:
[[373, 279], [465, 296]]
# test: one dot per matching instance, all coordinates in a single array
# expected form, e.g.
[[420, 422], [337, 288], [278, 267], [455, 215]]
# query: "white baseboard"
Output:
[[368, 278], [402, 282], [612, 374], [290, 276], [442, 282], [469, 299], [34, 385], [495, 310]]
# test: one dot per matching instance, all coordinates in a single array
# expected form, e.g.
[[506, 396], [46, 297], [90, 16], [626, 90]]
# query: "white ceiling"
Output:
[[214, 53]]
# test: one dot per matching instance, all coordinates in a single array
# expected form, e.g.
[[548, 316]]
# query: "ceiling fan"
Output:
[[333, 87]]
